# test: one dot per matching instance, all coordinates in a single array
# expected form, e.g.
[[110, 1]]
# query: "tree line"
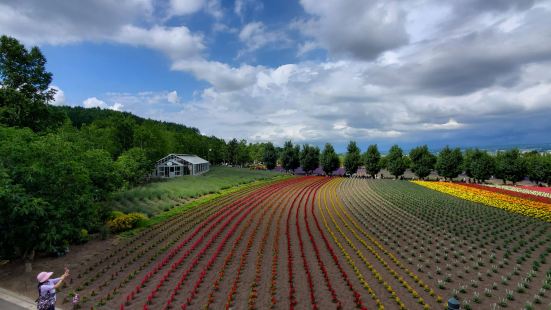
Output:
[[449, 163]]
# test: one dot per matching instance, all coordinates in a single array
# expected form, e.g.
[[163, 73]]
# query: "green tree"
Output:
[[24, 70], [295, 162], [153, 139], [384, 162], [422, 161], [290, 156], [372, 160], [395, 163], [449, 163], [101, 170], [478, 165], [510, 166], [123, 133], [132, 165], [482, 166], [547, 169], [352, 159], [23, 221], [243, 154], [536, 166], [329, 159], [25, 88], [270, 156], [256, 152], [309, 158], [233, 151], [49, 168]]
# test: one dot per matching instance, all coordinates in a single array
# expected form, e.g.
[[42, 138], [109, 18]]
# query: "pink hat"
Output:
[[43, 276]]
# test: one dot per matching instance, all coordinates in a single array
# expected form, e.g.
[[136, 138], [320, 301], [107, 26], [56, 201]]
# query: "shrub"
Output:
[[83, 236], [125, 221]]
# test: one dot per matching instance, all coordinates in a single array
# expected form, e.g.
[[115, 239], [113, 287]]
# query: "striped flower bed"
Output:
[[506, 191], [507, 202], [538, 189], [524, 189]]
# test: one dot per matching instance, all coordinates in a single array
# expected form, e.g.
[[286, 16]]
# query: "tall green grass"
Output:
[[162, 196]]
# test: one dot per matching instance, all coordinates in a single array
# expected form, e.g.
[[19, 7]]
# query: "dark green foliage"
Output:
[[21, 220], [243, 155], [538, 167], [352, 159], [510, 166], [53, 183], [422, 161], [309, 158], [25, 90], [449, 163], [395, 162], [329, 159], [24, 70], [256, 151], [372, 160], [270, 156], [233, 151], [384, 162], [133, 166], [290, 156], [102, 173], [478, 165]]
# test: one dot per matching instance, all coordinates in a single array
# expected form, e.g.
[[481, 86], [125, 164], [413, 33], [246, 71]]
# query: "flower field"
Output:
[[524, 204], [326, 243]]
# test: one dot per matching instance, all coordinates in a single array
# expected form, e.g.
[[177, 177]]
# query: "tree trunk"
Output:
[[28, 258]]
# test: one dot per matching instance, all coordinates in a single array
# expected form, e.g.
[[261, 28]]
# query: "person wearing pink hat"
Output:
[[46, 289]]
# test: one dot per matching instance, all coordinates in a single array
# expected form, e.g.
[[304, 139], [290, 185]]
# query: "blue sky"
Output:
[[463, 73]]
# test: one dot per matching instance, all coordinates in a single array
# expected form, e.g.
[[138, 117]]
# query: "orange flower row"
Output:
[[498, 200]]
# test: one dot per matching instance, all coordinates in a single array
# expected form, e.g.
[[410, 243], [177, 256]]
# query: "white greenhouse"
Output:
[[175, 165]]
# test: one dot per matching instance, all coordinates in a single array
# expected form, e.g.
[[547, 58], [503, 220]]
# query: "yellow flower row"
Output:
[[349, 259], [341, 208], [510, 203]]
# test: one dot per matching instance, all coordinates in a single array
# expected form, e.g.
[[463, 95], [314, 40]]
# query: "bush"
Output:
[[83, 236], [125, 222]]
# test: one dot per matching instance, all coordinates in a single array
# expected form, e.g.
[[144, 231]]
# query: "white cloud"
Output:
[[40, 22], [188, 7], [307, 47], [220, 75], [36, 22], [176, 42], [172, 97], [94, 102], [117, 107], [185, 7], [242, 6], [255, 35], [450, 125], [59, 97]]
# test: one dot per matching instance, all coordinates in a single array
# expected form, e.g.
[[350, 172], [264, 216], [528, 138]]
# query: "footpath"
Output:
[[13, 301]]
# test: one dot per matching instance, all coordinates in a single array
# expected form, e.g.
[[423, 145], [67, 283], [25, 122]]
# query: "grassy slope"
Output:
[[162, 196]]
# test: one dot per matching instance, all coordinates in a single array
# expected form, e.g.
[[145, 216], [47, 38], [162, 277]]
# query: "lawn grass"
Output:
[[162, 196]]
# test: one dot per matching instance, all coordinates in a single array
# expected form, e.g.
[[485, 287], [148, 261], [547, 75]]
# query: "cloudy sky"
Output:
[[464, 73]]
